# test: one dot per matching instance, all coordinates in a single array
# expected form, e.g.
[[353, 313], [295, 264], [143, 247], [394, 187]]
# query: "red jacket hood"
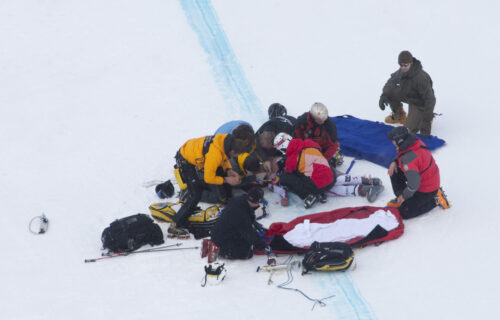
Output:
[[296, 145]]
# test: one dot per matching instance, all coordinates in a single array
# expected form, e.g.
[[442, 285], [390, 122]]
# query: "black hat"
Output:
[[275, 110], [255, 195], [399, 135], [165, 190], [405, 57]]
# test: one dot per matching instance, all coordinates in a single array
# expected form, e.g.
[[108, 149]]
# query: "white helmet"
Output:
[[281, 141], [319, 111]]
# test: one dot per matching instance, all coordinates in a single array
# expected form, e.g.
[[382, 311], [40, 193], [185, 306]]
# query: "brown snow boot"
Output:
[[396, 117], [213, 252], [205, 244], [177, 232]]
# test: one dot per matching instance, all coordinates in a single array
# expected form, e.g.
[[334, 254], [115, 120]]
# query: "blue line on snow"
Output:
[[237, 92], [226, 70]]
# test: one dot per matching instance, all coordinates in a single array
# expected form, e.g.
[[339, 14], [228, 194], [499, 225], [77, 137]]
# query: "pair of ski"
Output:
[[109, 255]]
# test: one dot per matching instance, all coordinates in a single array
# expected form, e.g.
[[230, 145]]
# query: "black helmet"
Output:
[[275, 110], [399, 135], [165, 190]]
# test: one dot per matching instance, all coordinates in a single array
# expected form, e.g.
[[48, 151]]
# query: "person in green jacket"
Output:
[[412, 85]]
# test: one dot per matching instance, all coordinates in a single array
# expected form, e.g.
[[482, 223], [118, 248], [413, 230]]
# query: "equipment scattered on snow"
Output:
[[39, 224], [200, 222], [165, 189], [328, 256], [214, 274], [130, 233], [108, 255], [288, 266]]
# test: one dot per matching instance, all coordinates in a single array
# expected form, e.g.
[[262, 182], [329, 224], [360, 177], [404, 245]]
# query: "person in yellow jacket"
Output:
[[201, 162]]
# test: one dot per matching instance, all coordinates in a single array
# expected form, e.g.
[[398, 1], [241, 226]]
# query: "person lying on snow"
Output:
[[414, 176], [204, 161], [236, 233], [317, 126], [308, 174]]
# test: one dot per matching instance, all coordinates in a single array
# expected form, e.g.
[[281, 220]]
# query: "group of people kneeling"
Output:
[[287, 154]]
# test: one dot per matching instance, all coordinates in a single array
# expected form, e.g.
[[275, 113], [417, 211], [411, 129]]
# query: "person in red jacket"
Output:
[[307, 172], [317, 126], [414, 175]]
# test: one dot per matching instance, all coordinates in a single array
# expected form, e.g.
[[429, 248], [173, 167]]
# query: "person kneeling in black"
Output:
[[235, 232]]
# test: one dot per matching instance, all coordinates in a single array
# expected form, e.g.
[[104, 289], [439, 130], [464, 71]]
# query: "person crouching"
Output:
[[307, 172], [236, 231]]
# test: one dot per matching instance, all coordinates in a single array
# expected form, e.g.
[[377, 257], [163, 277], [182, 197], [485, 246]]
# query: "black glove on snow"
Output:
[[382, 102]]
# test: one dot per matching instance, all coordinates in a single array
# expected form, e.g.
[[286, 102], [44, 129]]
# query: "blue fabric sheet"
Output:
[[367, 140]]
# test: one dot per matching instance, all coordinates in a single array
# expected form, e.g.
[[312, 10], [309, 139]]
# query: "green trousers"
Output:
[[418, 120]]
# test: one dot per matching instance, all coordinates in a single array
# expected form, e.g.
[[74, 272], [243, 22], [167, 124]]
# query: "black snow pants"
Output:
[[419, 203], [301, 184]]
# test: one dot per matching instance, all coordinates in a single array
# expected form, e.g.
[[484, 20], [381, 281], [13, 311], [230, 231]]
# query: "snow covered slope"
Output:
[[96, 97]]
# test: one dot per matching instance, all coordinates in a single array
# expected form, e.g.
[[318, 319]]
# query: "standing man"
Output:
[[412, 85], [318, 127], [414, 176]]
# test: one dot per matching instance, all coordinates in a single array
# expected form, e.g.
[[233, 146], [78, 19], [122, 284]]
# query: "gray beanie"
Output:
[[405, 57]]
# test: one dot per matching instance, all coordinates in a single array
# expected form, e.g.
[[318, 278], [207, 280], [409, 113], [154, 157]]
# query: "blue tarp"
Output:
[[367, 140]]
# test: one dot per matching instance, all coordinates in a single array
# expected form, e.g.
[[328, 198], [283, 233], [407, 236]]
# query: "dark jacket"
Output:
[[419, 167], [413, 87], [279, 124], [325, 135], [236, 223]]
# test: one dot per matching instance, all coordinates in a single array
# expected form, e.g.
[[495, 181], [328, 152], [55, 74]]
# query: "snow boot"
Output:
[[393, 203], [339, 159], [322, 197], [396, 117], [371, 181], [177, 232], [213, 252], [441, 199], [371, 192], [204, 247], [310, 200]]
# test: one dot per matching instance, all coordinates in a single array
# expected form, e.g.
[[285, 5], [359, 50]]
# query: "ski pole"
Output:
[[140, 251], [123, 254], [272, 268]]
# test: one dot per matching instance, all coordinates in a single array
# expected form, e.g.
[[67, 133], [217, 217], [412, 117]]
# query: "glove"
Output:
[[382, 102]]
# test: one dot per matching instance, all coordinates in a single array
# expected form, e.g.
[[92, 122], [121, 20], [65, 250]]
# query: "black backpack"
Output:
[[328, 256], [130, 233]]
